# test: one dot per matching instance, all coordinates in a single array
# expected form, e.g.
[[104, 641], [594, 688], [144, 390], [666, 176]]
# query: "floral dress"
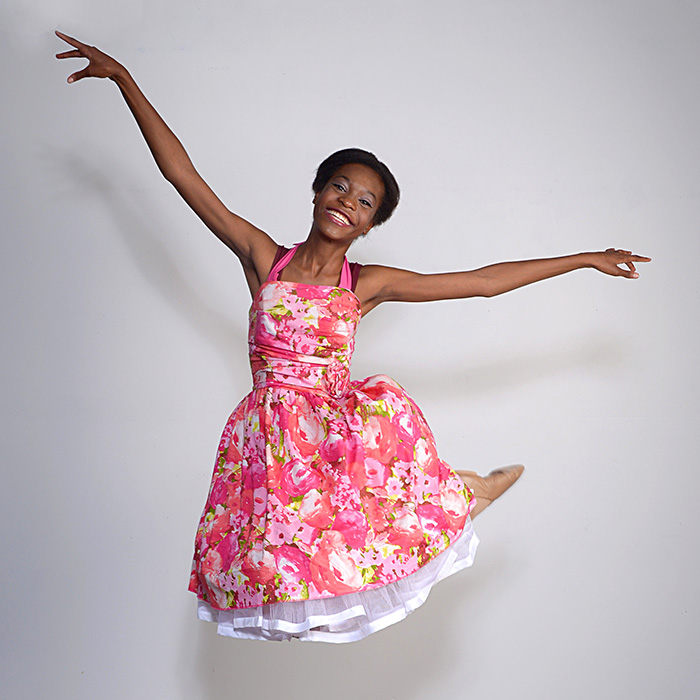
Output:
[[329, 515]]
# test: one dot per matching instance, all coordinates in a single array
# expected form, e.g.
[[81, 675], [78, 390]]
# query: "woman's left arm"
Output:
[[391, 284]]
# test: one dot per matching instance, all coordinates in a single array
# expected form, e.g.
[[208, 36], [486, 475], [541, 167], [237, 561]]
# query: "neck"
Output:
[[319, 256]]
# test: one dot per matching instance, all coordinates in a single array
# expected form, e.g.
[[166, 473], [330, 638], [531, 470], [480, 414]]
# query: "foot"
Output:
[[488, 488]]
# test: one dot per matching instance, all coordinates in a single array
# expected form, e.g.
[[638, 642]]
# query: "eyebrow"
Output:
[[347, 179]]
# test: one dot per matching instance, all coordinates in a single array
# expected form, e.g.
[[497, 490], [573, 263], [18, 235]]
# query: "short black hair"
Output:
[[349, 156]]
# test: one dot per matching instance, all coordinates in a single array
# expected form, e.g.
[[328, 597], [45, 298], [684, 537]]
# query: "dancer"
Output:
[[330, 515]]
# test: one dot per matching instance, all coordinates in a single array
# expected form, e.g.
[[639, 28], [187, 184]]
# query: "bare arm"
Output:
[[379, 284], [254, 248]]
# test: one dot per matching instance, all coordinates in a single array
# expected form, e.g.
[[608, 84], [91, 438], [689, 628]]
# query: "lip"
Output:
[[338, 221]]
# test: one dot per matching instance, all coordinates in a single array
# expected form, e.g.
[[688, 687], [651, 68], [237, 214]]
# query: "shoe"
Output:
[[488, 488]]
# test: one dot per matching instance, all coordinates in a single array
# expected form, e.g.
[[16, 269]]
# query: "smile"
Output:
[[338, 217]]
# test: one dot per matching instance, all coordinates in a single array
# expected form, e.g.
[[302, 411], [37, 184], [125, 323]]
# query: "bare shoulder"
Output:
[[261, 253], [377, 284]]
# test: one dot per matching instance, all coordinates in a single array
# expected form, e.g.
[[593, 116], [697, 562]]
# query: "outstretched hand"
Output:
[[100, 64], [609, 262]]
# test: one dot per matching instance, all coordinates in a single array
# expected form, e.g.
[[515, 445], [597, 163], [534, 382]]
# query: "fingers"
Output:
[[79, 75], [620, 263], [617, 258], [69, 40], [629, 253], [80, 51], [73, 53]]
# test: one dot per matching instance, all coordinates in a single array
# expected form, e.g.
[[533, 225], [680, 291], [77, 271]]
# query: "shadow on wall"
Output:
[[157, 256], [595, 353]]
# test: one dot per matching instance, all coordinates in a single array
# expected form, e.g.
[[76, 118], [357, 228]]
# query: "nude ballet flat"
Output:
[[488, 488]]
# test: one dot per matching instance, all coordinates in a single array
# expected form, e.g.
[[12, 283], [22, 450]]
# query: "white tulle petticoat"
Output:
[[346, 618]]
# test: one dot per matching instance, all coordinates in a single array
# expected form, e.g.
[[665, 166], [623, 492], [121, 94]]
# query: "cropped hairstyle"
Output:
[[357, 155]]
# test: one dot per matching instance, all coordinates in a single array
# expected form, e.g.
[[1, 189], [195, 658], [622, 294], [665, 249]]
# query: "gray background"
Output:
[[516, 129]]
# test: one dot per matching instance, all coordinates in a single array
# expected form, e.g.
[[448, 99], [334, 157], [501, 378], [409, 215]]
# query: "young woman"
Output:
[[330, 515]]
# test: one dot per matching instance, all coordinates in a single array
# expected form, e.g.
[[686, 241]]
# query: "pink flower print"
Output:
[[221, 526], [228, 550], [305, 537], [260, 501], [292, 564], [266, 330], [312, 291], [394, 487], [377, 473], [335, 378], [354, 420], [284, 524], [259, 566], [374, 386], [447, 475], [219, 492], [355, 461], [455, 506], [315, 509], [404, 451], [374, 512], [305, 431], [406, 530], [254, 474], [333, 448], [305, 347], [354, 527], [426, 457], [211, 566], [233, 452], [332, 568], [407, 432], [407, 427], [272, 293], [432, 519], [335, 328], [379, 438], [298, 478]]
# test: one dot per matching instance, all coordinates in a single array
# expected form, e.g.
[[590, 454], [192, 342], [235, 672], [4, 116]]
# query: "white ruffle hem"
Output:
[[346, 618]]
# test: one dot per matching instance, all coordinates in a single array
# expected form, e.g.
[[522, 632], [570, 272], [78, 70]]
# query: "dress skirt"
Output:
[[346, 618]]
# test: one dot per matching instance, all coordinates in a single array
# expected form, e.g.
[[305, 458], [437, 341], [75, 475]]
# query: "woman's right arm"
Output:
[[254, 248]]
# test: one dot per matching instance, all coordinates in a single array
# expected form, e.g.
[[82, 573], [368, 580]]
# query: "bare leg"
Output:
[[488, 488]]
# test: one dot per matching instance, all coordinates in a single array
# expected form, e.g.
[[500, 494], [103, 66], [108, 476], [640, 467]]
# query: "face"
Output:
[[346, 206]]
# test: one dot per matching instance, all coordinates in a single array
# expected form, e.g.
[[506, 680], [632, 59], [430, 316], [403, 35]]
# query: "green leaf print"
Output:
[[369, 574]]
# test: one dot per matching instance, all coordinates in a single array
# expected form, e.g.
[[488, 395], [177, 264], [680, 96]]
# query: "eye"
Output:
[[338, 186], [366, 203]]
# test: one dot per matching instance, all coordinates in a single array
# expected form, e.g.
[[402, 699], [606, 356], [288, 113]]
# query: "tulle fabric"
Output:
[[346, 618]]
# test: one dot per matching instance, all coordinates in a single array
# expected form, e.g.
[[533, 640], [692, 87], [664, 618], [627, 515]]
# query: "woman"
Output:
[[330, 515]]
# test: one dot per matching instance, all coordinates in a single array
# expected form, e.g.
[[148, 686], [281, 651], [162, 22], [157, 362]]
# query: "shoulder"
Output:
[[378, 283]]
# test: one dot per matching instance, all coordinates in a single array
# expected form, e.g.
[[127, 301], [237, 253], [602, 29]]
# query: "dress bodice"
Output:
[[303, 336]]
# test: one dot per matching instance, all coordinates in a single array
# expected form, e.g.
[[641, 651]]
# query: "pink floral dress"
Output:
[[330, 514]]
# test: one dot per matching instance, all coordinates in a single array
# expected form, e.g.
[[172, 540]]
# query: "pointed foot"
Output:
[[488, 488]]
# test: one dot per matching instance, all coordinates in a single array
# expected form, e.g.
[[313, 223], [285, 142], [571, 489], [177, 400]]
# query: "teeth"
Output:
[[339, 216]]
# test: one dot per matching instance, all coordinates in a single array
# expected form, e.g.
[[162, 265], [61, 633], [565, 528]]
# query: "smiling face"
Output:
[[346, 206]]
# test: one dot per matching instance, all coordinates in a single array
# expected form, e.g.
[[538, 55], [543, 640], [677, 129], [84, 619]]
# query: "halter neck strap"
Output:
[[345, 275]]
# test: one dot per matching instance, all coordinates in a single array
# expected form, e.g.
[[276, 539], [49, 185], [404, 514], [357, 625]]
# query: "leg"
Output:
[[488, 488]]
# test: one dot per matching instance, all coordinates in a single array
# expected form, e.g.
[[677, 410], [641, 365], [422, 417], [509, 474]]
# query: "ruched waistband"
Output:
[[319, 375]]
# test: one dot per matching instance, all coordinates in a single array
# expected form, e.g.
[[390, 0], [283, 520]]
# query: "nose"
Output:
[[346, 201]]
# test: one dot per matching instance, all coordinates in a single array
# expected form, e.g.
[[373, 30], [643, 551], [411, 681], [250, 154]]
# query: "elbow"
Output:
[[177, 176], [486, 289]]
